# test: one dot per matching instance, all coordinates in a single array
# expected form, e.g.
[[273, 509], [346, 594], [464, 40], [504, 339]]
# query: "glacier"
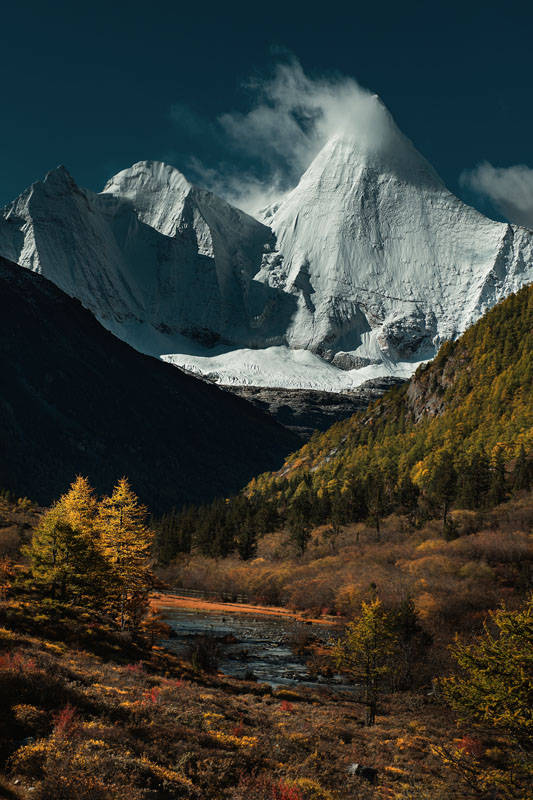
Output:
[[361, 271]]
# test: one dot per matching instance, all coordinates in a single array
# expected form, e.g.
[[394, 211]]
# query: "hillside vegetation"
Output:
[[411, 523], [473, 402], [458, 435], [93, 709]]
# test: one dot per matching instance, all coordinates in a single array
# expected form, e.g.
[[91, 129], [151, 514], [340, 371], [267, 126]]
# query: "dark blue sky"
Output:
[[92, 85]]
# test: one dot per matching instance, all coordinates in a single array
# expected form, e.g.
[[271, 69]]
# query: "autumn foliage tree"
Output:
[[126, 541], [494, 684], [367, 651], [64, 551], [493, 690], [95, 551]]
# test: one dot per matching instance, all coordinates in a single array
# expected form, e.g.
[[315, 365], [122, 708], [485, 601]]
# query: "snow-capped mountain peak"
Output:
[[367, 264], [385, 261], [157, 191]]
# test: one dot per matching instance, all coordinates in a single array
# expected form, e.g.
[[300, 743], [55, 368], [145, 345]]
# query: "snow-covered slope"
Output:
[[361, 271], [154, 258], [384, 260]]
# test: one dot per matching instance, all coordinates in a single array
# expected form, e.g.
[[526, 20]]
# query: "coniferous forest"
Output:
[[459, 434]]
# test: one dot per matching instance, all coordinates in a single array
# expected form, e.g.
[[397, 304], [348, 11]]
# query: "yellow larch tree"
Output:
[[126, 542], [64, 550]]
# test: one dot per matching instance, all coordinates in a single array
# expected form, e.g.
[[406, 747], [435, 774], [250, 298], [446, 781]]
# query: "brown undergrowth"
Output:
[[80, 721], [452, 577]]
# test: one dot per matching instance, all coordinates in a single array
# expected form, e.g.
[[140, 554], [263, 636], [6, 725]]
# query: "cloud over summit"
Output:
[[291, 116]]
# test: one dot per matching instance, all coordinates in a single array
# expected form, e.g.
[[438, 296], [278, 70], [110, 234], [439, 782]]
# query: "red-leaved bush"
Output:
[[152, 695], [471, 746], [135, 668], [283, 791], [66, 721], [252, 787], [16, 662]]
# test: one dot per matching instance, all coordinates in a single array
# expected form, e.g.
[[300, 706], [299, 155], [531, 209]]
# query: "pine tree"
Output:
[[80, 505], [126, 542], [406, 496], [64, 551], [64, 557], [498, 482], [367, 652], [495, 681], [298, 519], [522, 472], [299, 530], [375, 500], [246, 540], [443, 483], [494, 689], [412, 641]]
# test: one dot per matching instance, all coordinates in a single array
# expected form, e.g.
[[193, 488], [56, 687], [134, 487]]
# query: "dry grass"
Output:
[[79, 725], [453, 583]]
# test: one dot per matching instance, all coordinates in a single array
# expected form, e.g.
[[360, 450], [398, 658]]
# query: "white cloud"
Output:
[[510, 189], [291, 116]]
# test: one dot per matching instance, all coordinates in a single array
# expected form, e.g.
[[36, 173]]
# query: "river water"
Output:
[[252, 645]]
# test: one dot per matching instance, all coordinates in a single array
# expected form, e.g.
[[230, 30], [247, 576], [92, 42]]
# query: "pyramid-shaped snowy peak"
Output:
[[367, 264]]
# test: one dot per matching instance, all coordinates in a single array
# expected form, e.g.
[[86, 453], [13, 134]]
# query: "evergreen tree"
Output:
[[64, 552], [442, 485], [498, 481], [80, 505], [494, 685], [298, 519], [65, 558], [367, 652], [494, 689], [126, 542], [522, 472], [375, 494], [412, 642], [299, 529], [406, 497], [246, 540]]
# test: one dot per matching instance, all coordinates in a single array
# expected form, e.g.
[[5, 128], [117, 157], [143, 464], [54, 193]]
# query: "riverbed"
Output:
[[258, 647]]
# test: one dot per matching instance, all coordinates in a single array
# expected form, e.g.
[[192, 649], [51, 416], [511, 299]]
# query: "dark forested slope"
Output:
[[74, 399]]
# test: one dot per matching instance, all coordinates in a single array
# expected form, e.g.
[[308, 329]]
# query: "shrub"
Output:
[[264, 788], [30, 717], [203, 654], [66, 722]]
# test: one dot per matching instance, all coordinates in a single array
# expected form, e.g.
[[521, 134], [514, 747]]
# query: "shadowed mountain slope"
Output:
[[75, 399]]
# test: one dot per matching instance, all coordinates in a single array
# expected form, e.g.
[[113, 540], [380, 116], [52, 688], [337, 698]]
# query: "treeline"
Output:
[[235, 525], [95, 552], [459, 434]]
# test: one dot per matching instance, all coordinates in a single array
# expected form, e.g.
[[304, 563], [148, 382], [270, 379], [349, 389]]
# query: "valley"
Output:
[[266, 480]]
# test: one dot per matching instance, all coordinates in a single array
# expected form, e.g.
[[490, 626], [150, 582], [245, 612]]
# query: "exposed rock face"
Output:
[[305, 410]]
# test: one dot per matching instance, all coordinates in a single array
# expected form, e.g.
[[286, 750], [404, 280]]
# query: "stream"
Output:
[[252, 645]]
